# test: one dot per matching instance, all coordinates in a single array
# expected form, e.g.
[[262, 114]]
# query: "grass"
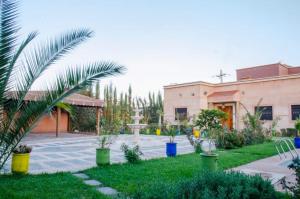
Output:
[[129, 177], [46, 186], [124, 177]]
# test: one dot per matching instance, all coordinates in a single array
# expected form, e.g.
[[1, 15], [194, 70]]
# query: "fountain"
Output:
[[136, 127]]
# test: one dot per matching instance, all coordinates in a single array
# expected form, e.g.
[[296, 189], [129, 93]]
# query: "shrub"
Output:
[[297, 126], [253, 128], [288, 132], [132, 155], [210, 185], [84, 119], [22, 149], [294, 188], [230, 139]]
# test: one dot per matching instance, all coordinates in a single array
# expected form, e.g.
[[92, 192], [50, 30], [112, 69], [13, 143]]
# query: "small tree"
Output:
[[253, 130], [210, 120]]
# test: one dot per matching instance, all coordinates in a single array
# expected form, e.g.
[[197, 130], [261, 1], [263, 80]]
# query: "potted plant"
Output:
[[297, 138], [158, 130], [210, 122], [103, 151], [171, 146], [20, 159]]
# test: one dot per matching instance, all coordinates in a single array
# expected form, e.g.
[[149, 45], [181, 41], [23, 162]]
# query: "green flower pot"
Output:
[[209, 161], [102, 156]]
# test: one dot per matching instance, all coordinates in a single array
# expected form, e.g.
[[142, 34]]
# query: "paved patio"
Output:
[[71, 152], [272, 168]]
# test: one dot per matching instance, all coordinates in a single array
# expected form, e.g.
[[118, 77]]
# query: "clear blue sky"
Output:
[[172, 41]]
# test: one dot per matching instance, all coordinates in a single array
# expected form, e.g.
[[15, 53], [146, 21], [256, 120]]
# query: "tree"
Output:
[[210, 119], [19, 71]]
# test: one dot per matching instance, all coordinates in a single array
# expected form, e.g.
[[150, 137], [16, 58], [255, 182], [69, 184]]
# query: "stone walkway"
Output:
[[272, 168], [98, 185], [77, 153]]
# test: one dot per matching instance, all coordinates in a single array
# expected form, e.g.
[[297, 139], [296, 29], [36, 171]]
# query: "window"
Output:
[[266, 112], [180, 113], [295, 112]]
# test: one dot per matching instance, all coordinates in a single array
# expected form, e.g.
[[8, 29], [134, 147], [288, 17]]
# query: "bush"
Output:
[[210, 185], [288, 132], [295, 187], [253, 129], [84, 119], [230, 139], [132, 155]]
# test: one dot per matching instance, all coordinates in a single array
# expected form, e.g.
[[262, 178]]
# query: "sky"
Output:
[[163, 42]]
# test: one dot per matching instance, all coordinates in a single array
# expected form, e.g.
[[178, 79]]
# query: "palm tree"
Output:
[[20, 69]]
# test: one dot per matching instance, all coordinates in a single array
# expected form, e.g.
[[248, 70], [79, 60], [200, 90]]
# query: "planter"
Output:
[[297, 142], [20, 163], [171, 149], [158, 132], [102, 156], [197, 133], [209, 161]]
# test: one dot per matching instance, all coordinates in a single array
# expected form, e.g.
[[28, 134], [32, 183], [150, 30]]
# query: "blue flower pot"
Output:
[[171, 149], [297, 142]]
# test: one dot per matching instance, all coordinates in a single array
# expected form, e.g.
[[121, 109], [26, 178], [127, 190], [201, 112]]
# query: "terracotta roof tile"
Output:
[[74, 99]]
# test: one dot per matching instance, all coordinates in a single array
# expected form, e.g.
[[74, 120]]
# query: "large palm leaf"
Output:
[[20, 68]]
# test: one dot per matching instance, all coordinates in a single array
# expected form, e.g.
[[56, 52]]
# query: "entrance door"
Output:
[[229, 121]]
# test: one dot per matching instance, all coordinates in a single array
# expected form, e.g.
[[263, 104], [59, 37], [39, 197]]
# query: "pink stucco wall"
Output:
[[279, 92]]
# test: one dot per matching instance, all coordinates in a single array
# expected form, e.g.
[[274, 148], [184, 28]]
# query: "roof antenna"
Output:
[[221, 75]]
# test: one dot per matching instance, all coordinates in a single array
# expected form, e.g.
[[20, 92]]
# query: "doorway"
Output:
[[228, 123]]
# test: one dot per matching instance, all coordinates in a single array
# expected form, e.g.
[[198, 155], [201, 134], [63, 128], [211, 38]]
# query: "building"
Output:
[[59, 120], [275, 85]]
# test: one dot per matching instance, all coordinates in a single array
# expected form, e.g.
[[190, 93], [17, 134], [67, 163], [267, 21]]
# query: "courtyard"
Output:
[[77, 155], [73, 152]]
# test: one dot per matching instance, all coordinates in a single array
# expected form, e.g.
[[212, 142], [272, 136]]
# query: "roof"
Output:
[[245, 81], [74, 99]]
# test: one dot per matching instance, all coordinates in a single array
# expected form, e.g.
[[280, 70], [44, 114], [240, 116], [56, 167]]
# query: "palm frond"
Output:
[[66, 107], [9, 79], [8, 38], [39, 59], [69, 82]]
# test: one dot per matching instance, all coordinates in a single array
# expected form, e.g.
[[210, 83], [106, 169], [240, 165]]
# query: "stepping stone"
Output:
[[107, 191], [81, 175], [92, 182]]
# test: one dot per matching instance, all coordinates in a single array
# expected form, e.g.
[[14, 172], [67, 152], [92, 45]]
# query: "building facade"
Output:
[[59, 121], [273, 89]]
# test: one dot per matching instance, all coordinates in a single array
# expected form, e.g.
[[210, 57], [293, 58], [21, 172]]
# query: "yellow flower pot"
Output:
[[197, 133], [158, 132], [20, 163]]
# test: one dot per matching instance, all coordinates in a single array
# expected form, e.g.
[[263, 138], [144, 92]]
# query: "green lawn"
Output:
[[46, 186], [123, 177], [127, 178]]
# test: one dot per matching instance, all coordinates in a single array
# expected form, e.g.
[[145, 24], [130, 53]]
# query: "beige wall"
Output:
[[184, 97], [280, 93]]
